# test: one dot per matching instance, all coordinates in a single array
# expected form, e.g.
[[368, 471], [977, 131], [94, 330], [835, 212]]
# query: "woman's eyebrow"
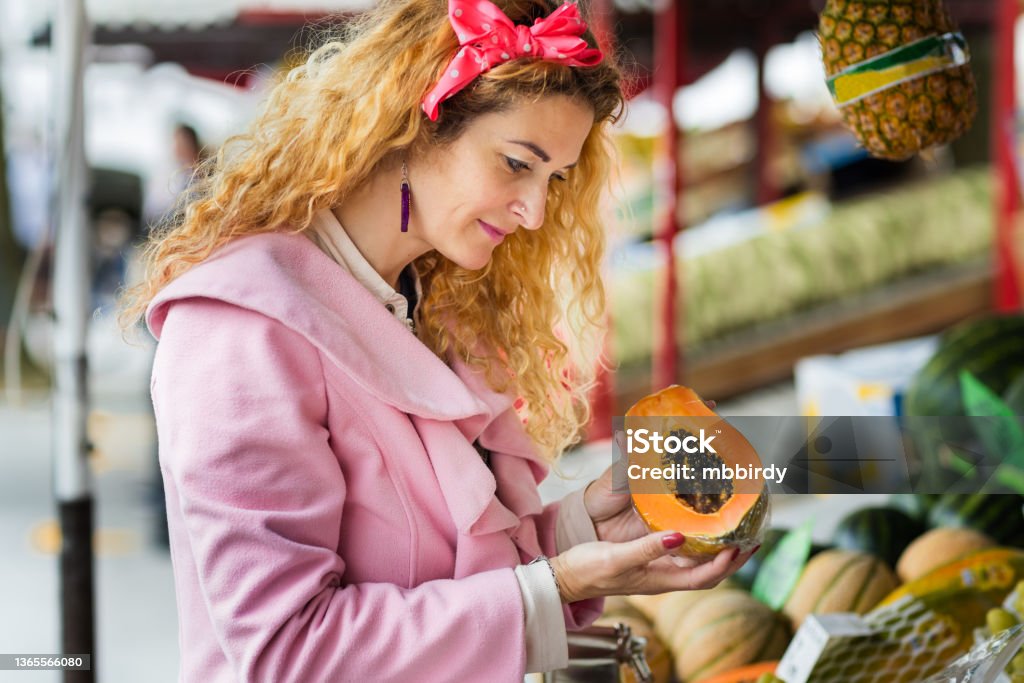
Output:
[[533, 147]]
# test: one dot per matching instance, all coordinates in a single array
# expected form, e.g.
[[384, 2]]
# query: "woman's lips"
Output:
[[492, 232]]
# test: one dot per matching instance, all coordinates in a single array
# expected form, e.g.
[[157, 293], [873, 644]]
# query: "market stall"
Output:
[[677, 317], [869, 587]]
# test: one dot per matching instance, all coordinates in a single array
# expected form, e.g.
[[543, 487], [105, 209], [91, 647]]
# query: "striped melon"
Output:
[[882, 532], [674, 607], [1014, 395], [917, 505], [989, 348], [724, 630], [937, 548], [998, 516], [839, 581]]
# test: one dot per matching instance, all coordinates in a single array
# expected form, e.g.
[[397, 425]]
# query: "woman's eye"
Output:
[[516, 165]]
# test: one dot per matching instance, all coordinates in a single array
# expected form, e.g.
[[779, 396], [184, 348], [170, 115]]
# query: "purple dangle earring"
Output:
[[405, 198]]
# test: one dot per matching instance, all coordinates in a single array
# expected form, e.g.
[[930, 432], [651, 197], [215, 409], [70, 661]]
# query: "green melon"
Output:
[[883, 532], [1014, 395], [917, 505], [990, 348], [998, 516]]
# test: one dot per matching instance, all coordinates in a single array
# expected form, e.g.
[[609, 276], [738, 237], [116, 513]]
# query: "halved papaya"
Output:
[[713, 514]]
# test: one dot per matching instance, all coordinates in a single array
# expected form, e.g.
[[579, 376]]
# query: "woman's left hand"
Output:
[[612, 513]]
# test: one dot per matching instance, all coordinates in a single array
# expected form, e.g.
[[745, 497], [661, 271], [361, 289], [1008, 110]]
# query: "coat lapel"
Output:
[[286, 277]]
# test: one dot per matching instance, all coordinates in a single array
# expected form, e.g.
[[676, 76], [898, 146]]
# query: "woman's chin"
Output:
[[475, 259]]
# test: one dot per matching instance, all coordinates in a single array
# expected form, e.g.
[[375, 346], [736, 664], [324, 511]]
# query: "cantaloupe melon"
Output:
[[839, 581], [939, 547], [723, 630]]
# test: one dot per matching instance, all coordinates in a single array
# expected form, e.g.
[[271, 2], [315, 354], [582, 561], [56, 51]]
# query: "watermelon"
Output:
[[990, 348], [998, 516], [917, 505], [1014, 395], [882, 531]]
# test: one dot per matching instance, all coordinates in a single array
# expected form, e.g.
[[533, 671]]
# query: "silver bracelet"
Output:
[[543, 558]]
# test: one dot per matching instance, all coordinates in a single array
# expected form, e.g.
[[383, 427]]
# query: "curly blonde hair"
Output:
[[354, 104]]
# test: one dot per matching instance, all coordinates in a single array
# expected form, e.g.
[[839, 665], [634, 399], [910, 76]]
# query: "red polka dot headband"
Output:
[[487, 37]]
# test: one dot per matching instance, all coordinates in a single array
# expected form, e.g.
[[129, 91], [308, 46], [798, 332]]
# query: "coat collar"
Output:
[[286, 277]]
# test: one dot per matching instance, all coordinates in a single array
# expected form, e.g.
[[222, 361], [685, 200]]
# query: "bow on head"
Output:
[[487, 37]]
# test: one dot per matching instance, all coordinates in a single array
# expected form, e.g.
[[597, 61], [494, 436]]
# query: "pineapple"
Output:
[[904, 119]]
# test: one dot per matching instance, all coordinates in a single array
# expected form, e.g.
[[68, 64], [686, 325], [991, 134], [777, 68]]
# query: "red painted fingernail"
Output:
[[756, 548], [673, 540]]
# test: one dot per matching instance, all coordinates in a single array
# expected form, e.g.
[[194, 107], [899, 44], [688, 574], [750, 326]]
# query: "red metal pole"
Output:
[[1004, 155], [764, 123], [669, 46]]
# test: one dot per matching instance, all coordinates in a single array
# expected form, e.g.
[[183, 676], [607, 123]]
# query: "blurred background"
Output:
[[758, 253]]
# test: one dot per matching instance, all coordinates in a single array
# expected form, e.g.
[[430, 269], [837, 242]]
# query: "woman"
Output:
[[359, 382]]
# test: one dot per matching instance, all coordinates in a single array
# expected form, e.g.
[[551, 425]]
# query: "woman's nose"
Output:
[[529, 209]]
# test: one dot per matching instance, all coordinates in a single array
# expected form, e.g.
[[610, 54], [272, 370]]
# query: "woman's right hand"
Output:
[[644, 566]]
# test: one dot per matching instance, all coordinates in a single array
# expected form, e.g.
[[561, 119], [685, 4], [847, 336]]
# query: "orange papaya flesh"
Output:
[[713, 515]]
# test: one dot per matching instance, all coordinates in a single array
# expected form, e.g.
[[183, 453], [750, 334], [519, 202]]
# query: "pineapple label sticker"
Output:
[[682, 456]]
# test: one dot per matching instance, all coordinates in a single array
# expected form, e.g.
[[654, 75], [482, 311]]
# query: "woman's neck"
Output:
[[371, 217]]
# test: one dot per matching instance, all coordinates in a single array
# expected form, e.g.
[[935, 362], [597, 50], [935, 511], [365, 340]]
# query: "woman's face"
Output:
[[494, 179]]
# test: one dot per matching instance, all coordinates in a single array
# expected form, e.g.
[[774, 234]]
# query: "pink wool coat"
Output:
[[330, 519]]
